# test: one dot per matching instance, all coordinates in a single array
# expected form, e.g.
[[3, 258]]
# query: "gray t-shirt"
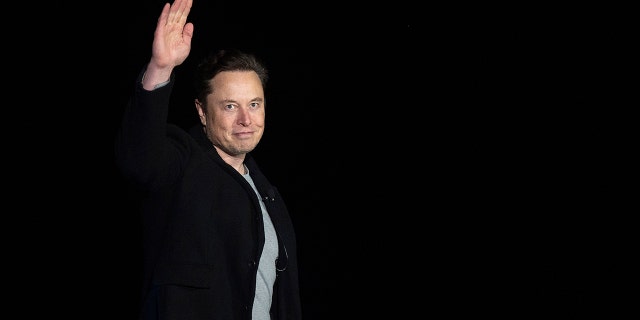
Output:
[[267, 265]]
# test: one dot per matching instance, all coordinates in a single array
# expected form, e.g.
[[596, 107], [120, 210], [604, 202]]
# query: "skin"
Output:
[[233, 118], [171, 43]]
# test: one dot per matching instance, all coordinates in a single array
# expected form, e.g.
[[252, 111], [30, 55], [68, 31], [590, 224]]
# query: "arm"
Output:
[[147, 149], [171, 43]]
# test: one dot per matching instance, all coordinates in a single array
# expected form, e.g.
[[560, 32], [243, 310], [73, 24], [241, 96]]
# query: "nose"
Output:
[[244, 116]]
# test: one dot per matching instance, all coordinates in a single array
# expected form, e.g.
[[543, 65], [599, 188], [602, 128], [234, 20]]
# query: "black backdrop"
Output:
[[434, 159]]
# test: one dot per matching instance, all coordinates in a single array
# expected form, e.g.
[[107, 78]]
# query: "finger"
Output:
[[164, 15], [179, 11]]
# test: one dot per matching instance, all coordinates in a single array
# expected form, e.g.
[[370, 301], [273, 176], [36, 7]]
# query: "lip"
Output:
[[244, 134]]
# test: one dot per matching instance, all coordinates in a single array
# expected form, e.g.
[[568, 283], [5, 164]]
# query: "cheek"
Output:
[[260, 119]]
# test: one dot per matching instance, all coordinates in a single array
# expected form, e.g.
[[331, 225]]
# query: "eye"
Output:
[[229, 106], [255, 105]]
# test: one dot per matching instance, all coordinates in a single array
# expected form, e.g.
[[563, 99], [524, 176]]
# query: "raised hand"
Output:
[[171, 42]]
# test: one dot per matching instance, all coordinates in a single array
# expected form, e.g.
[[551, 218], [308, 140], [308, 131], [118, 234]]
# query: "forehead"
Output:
[[234, 81]]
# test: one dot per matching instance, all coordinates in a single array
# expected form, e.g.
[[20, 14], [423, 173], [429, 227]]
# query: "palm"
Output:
[[172, 39]]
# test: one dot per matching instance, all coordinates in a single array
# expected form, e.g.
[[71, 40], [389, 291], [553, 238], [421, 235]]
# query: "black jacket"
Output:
[[202, 223]]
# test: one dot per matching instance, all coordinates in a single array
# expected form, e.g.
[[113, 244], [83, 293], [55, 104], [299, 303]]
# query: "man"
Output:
[[218, 239]]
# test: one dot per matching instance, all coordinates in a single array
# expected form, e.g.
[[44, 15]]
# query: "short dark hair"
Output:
[[226, 60]]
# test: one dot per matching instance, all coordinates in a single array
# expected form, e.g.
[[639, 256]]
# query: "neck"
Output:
[[237, 162]]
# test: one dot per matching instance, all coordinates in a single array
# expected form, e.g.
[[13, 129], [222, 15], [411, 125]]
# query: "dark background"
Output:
[[456, 159]]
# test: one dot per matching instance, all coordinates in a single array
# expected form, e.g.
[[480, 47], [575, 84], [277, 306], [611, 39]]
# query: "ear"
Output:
[[201, 112]]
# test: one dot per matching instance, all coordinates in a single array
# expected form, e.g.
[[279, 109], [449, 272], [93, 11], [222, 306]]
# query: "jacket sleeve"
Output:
[[149, 151]]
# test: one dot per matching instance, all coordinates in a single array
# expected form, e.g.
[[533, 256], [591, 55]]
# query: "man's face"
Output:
[[235, 112]]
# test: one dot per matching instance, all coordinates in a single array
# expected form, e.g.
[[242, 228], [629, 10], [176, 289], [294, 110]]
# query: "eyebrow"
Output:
[[258, 99]]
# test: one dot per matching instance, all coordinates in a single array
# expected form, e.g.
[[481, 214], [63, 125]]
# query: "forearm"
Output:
[[155, 77]]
